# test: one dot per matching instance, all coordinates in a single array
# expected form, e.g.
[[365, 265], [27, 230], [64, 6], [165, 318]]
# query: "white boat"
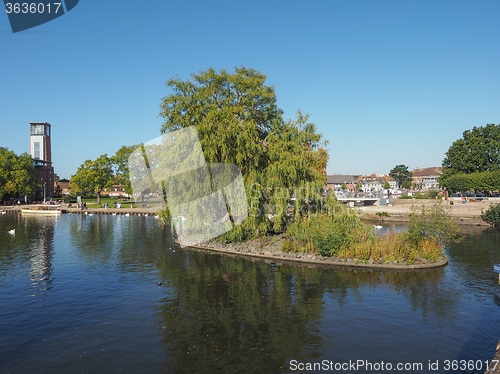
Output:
[[42, 210]]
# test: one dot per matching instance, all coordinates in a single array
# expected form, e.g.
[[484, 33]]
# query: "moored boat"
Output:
[[42, 209]]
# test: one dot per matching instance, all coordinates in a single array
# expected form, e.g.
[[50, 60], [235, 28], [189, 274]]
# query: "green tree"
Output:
[[477, 151], [93, 176], [343, 186], [386, 185], [406, 184], [238, 121], [120, 162], [401, 174], [17, 174]]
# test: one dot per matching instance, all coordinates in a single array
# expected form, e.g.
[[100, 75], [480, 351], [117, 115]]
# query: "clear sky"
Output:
[[386, 82]]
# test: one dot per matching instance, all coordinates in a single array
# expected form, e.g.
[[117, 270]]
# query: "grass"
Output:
[[92, 202]]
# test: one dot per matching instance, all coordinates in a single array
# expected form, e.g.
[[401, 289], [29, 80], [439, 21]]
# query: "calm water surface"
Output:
[[104, 294]]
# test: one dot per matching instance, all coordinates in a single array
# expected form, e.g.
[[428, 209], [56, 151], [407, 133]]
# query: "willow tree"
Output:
[[239, 122]]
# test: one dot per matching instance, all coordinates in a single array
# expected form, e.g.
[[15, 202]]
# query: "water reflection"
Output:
[[233, 315], [41, 254], [196, 311]]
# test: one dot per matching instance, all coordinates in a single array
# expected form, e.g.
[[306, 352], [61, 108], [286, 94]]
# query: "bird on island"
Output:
[[12, 232], [378, 227]]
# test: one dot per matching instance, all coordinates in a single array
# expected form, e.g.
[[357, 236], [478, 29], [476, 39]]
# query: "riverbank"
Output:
[[270, 248], [75, 210], [400, 209]]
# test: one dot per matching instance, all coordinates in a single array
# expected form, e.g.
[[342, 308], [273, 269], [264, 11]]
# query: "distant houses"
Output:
[[335, 182], [425, 178]]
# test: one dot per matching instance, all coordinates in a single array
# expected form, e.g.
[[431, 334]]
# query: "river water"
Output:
[[105, 294]]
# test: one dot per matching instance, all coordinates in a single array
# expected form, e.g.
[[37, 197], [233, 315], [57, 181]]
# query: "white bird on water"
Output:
[[127, 214], [378, 227], [12, 232]]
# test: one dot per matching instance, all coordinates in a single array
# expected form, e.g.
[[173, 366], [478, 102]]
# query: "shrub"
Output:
[[492, 215], [326, 234], [382, 214], [432, 223]]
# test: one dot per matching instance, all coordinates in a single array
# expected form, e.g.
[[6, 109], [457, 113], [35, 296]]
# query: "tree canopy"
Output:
[[17, 174], [120, 163], [401, 174], [477, 151], [93, 176], [239, 122]]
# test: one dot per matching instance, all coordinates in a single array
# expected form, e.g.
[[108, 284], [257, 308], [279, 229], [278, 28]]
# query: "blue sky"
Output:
[[386, 82]]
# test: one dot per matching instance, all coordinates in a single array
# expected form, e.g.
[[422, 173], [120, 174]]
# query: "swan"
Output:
[[127, 214], [157, 217], [12, 232], [378, 227], [114, 214]]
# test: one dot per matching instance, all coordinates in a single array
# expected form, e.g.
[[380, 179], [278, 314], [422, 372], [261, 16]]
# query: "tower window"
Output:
[[37, 150]]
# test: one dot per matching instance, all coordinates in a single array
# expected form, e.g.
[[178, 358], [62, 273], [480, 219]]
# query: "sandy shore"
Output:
[[398, 210]]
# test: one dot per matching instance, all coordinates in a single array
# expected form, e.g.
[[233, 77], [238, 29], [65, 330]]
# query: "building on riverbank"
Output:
[[335, 181], [426, 178]]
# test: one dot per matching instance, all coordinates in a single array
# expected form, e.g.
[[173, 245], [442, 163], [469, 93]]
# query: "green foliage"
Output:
[[238, 121], [342, 234], [329, 233], [120, 162], [492, 215], [480, 181], [382, 214], [386, 185], [17, 174], [406, 197], [93, 176], [432, 223], [401, 174], [343, 186], [477, 151], [406, 184]]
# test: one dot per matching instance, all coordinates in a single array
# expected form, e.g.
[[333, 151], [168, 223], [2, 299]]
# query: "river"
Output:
[[106, 294]]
